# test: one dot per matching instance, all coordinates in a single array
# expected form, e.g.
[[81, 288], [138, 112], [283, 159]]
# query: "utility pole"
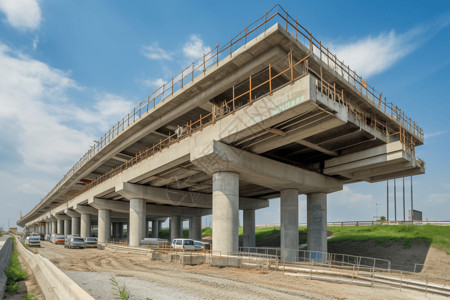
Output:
[[404, 215], [387, 200], [412, 206], [395, 200]]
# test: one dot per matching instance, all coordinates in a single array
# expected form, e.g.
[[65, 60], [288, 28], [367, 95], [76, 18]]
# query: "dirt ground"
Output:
[[210, 282]]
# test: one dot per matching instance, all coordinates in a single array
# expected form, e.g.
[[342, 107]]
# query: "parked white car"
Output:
[[33, 241], [185, 244]]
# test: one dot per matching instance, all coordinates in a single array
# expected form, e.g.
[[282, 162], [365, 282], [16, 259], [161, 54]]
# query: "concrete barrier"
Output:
[[5, 256], [53, 282], [192, 259]]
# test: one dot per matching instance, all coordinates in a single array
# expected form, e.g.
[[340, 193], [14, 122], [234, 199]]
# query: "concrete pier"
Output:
[[175, 226], [289, 225], [225, 208], [75, 225], [249, 228], [67, 227], [195, 228], [60, 226], [85, 226], [136, 230], [104, 225], [155, 229], [53, 227], [317, 222]]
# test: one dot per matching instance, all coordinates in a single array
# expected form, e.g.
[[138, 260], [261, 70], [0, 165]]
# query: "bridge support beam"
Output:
[[104, 225], [225, 207], [249, 228], [137, 221], [317, 222], [195, 228], [289, 225], [85, 227]]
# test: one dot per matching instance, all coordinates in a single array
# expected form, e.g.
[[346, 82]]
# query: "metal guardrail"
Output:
[[276, 15]]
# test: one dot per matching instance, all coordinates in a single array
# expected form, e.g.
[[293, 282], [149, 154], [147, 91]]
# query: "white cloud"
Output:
[[22, 14], [34, 97], [195, 47], [35, 42], [155, 83], [433, 134], [372, 55], [155, 52], [438, 199]]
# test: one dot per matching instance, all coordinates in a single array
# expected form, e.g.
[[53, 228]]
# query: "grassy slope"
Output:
[[436, 236]]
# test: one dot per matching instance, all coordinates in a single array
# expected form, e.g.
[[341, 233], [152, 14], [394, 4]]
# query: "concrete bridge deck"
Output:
[[272, 119]]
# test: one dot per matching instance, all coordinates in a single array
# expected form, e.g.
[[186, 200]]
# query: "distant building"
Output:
[[415, 215], [13, 229]]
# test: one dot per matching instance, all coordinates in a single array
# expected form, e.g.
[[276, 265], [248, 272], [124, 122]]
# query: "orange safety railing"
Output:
[[276, 15], [227, 108]]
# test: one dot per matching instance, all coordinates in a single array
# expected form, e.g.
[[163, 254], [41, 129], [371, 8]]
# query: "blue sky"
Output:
[[70, 69]]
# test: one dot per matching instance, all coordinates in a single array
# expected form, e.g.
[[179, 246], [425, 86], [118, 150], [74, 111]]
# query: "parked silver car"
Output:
[[74, 242]]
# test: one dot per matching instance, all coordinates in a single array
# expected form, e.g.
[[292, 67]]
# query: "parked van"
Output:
[[185, 244]]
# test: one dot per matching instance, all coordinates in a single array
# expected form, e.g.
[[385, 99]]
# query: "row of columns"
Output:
[[225, 208], [225, 211]]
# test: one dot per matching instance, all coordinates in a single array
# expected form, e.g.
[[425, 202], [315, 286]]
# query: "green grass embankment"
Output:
[[436, 236]]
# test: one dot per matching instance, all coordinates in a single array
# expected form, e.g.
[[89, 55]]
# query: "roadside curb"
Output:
[[54, 284], [5, 256]]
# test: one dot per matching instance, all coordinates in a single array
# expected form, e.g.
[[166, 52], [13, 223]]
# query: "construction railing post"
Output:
[[217, 54], [270, 80], [287, 18], [291, 67], [250, 90], [233, 100]]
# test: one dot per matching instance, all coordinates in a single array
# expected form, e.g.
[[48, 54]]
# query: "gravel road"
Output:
[[92, 270]]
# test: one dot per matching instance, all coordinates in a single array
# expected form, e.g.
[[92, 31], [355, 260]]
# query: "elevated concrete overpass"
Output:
[[267, 115]]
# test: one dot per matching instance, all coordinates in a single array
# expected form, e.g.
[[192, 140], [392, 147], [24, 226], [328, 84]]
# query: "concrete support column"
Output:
[[120, 231], [147, 228], [317, 222], [181, 228], [155, 229], [289, 225], [195, 228], [53, 227], [225, 212], [60, 226], [249, 228], [175, 227], [104, 225], [67, 227], [85, 227], [75, 225], [137, 221], [47, 229]]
